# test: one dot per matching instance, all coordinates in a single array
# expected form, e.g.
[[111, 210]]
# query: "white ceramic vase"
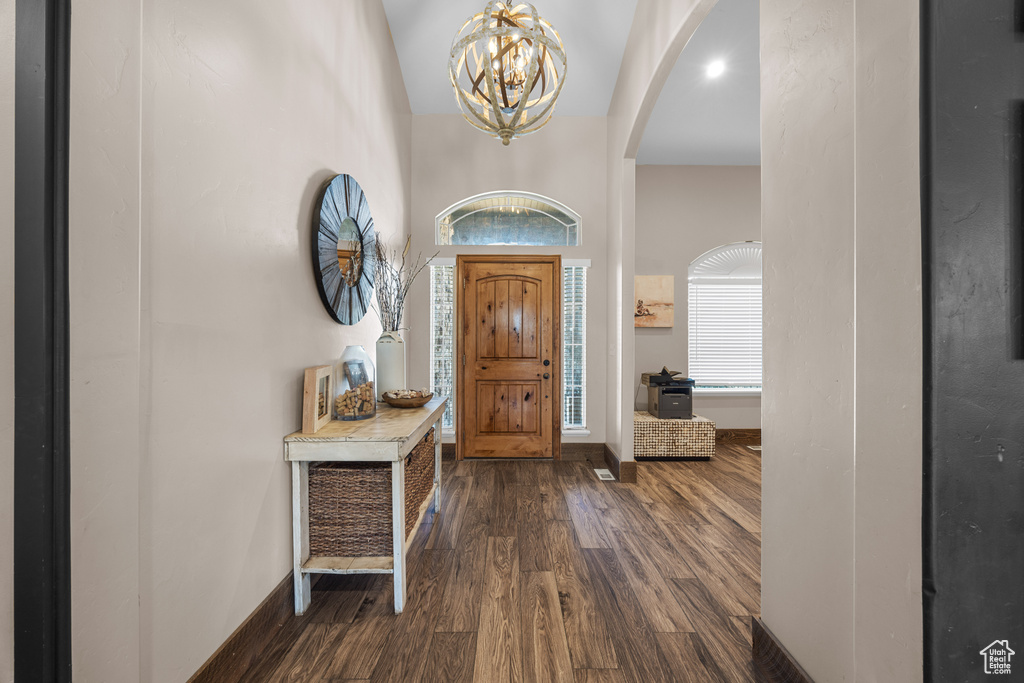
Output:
[[390, 362]]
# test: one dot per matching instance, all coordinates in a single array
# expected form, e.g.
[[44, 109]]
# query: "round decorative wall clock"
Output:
[[344, 247]]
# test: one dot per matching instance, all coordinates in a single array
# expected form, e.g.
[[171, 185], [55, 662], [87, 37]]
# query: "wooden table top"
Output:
[[389, 424]]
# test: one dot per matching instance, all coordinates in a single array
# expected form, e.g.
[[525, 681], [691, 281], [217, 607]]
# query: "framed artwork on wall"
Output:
[[654, 300]]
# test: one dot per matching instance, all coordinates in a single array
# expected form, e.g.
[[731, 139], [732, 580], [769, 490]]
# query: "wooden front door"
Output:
[[508, 356]]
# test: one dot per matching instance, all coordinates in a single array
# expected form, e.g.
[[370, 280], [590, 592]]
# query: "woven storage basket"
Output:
[[350, 503]]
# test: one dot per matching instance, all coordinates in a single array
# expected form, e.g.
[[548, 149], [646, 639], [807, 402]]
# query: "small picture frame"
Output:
[[316, 398], [355, 373]]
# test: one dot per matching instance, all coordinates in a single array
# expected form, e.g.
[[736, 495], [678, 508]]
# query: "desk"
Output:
[[387, 437]]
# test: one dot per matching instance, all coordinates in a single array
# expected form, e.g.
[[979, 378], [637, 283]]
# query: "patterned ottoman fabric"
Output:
[[655, 438]]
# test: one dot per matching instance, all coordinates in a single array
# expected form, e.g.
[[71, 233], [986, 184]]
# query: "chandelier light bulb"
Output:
[[503, 85], [716, 68]]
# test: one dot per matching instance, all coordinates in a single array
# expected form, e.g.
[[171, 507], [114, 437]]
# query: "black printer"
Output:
[[669, 396]]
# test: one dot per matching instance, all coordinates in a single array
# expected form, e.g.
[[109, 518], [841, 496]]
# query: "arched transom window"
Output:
[[509, 218]]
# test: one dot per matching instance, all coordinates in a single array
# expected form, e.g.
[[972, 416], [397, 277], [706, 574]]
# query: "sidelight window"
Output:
[[442, 338], [574, 347]]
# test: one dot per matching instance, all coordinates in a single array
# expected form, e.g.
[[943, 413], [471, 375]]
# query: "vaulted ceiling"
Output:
[[711, 121], [696, 120]]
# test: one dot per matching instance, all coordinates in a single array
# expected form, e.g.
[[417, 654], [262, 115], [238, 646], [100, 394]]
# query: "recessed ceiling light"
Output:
[[716, 68]]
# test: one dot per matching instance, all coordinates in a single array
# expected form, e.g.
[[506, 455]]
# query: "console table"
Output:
[[389, 436]]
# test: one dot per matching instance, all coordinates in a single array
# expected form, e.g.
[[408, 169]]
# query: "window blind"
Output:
[[442, 337], [574, 347], [725, 333]]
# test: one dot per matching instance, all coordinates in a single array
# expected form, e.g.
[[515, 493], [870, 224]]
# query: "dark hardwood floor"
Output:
[[538, 571]]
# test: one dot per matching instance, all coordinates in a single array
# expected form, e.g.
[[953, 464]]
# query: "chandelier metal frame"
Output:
[[498, 60]]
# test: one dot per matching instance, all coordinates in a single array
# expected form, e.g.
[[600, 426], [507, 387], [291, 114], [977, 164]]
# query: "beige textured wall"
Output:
[[105, 351], [619, 356], [888, 628], [657, 36], [841, 414], [808, 465], [681, 213], [565, 161], [242, 112], [7, 342]]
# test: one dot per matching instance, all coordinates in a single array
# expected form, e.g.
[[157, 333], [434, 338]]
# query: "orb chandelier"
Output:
[[507, 67]]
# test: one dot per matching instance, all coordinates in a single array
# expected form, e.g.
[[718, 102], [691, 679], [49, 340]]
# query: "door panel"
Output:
[[488, 320], [531, 314], [509, 325], [509, 312], [504, 407], [501, 319], [973, 270]]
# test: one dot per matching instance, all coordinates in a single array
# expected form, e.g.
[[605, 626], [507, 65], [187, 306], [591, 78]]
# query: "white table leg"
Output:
[[398, 531], [300, 533], [437, 466]]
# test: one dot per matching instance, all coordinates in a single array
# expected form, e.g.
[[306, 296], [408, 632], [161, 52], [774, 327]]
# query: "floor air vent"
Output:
[[605, 475]]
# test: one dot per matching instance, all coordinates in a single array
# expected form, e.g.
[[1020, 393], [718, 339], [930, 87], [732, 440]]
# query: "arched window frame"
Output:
[[724, 319], [514, 199]]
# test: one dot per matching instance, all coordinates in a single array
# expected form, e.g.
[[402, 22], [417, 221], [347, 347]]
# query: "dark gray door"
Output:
[[973, 88]]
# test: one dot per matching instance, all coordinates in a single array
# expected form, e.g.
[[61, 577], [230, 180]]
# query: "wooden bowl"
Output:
[[417, 402]]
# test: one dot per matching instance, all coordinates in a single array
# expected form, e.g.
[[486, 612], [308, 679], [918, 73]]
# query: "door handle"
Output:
[[547, 375]]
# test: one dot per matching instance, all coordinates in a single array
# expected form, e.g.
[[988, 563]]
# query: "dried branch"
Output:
[[393, 279]]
